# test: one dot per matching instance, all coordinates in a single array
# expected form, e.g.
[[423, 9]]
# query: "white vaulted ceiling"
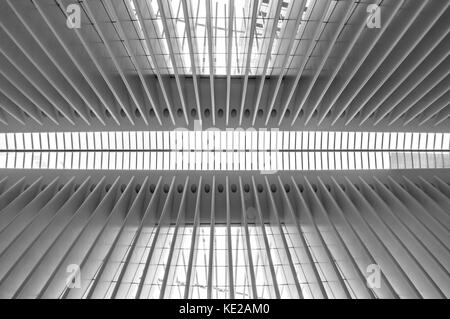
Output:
[[226, 63], [224, 148]]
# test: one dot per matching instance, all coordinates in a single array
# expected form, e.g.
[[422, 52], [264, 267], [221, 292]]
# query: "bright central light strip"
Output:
[[224, 150], [232, 140]]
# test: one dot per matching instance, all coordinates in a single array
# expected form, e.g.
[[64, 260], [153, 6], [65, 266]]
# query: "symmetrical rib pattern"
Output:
[[221, 237], [225, 63], [224, 149]]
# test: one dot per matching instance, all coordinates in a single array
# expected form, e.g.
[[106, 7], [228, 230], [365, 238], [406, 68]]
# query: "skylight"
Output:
[[265, 151], [223, 32]]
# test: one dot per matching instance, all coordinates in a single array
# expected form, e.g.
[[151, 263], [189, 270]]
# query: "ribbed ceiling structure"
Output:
[[224, 149], [225, 63]]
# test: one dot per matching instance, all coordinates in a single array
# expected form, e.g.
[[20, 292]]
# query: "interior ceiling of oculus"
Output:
[[224, 149]]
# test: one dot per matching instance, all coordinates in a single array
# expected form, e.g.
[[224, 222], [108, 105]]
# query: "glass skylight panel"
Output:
[[3, 145], [393, 138], [291, 139], [36, 142], [68, 140], [177, 44], [104, 141], [3, 159], [60, 141], [224, 150], [439, 141], [337, 140], [27, 141], [90, 140], [408, 141], [379, 141], [372, 140], [446, 142], [415, 141], [126, 140], [10, 141], [19, 141], [331, 140], [98, 142]]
